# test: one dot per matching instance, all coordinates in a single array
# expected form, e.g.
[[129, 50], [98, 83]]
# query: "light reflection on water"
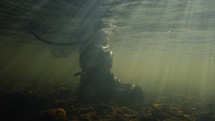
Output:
[[156, 43], [168, 43]]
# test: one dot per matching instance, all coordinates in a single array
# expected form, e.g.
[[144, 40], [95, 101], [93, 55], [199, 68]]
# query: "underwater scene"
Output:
[[107, 60]]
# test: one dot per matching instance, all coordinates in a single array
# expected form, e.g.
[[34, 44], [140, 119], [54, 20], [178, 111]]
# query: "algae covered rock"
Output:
[[56, 114]]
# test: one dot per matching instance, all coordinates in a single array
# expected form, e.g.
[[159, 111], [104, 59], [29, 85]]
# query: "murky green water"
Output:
[[166, 44], [157, 44], [167, 47]]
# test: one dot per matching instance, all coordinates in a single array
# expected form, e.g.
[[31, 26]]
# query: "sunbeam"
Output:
[[135, 60]]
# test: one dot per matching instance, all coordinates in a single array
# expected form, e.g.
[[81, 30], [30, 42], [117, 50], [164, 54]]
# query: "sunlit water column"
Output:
[[166, 44]]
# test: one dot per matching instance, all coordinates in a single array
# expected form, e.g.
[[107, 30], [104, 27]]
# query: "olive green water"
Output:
[[168, 45], [161, 45]]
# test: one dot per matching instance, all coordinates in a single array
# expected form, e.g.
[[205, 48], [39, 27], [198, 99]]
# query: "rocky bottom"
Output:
[[59, 103]]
